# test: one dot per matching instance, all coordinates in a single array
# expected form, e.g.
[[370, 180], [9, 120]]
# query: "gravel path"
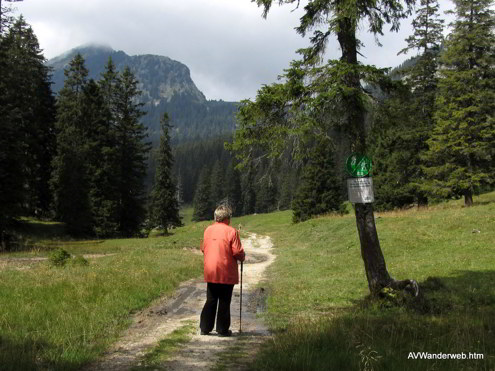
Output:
[[169, 314]]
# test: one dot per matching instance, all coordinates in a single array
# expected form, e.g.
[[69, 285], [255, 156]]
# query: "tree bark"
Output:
[[468, 198], [374, 261]]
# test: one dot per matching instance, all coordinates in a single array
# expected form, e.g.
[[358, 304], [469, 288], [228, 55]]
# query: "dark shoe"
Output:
[[205, 333], [225, 334]]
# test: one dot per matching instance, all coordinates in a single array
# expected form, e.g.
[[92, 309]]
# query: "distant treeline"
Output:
[[82, 158]]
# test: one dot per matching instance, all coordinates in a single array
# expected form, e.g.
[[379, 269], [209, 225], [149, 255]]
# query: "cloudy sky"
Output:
[[230, 49]]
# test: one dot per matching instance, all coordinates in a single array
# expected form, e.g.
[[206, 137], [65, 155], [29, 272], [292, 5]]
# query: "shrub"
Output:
[[59, 257]]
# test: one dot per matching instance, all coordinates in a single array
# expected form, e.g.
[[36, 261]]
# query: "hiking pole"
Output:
[[240, 306]]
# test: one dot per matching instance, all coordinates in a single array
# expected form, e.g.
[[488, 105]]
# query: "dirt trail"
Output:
[[169, 314]]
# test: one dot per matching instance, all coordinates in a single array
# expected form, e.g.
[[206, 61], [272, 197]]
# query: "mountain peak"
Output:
[[160, 77], [166, 86]]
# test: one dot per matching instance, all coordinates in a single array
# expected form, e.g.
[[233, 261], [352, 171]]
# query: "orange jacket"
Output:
[[221, 247]]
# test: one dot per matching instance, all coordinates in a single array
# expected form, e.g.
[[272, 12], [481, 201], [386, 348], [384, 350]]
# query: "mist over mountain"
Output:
[[166, 86]]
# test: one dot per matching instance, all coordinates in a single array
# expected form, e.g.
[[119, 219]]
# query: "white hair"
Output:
[[222, 212]]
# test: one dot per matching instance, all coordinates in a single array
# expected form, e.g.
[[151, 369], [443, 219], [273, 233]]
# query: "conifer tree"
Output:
[[11, 154], [29, 92], [234, 189], [217, 187], [287, 188], [394, 148], [132, 151], [27, 110], [100, 162], [5, 19], [314, 99], [320, 190], [70, 178], [266, 192], [248, 191], [399, 177], [203, 206], [462, 146], [164, 202]]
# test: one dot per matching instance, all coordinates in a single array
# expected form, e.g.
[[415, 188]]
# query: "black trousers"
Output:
[[216, 293]]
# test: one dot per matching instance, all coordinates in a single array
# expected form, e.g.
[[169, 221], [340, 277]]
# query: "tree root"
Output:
[[410, 286]]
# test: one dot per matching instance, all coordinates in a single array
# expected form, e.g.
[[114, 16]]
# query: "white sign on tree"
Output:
[[360, 190]]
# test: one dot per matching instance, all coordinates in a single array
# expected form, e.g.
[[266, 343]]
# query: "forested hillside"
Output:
[[165, 86], [87, 152]]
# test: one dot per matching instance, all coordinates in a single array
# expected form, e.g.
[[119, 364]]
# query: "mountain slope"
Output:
[[166, 86]]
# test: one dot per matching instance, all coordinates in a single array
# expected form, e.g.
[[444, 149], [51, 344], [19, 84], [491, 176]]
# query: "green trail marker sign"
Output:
[[358, 165]]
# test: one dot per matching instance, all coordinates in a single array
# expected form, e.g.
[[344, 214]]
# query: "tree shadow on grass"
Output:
[[452, 315], [27, 355]]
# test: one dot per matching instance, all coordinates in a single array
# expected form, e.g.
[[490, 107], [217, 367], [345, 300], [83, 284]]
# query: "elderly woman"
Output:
[[222, 249]]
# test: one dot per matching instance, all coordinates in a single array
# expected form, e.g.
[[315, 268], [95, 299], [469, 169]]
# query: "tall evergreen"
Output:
[[132, 151], [462, 146], [399, 174], [11, 153], [26, 126], [248, 191], [217, 187], [316, 99], [29, 92], [164, 202], [266, 193], [320, 190], [70, 178], [203, 206], [5, 19], [100, 162], [395, 149], [233, 189]]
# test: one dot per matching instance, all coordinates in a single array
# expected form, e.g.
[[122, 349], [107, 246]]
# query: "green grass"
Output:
[[317, 288], [166, 347], [60, 318]]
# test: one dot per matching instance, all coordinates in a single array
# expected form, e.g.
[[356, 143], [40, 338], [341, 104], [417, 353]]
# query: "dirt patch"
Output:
[[168, 314], [27, 263]]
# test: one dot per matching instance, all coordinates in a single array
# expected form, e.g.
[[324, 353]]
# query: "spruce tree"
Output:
[[100, 162], [70, 178], [399, 176], [394, 148], [11, 154], [203, 206], [462, 146], [217, 187], [132, 151], [316, 99], [29, 92], [234, 189], [266, 191], [320, 191], [248, 191], [27, 127], [164, 202]]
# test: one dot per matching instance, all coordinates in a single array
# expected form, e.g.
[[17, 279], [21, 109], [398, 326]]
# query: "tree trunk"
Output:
[[468, 198], [422, 201], [374, 262]]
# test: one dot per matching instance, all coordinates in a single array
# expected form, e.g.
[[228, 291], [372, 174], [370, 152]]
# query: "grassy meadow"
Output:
[[60, 318], [318, 305]]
